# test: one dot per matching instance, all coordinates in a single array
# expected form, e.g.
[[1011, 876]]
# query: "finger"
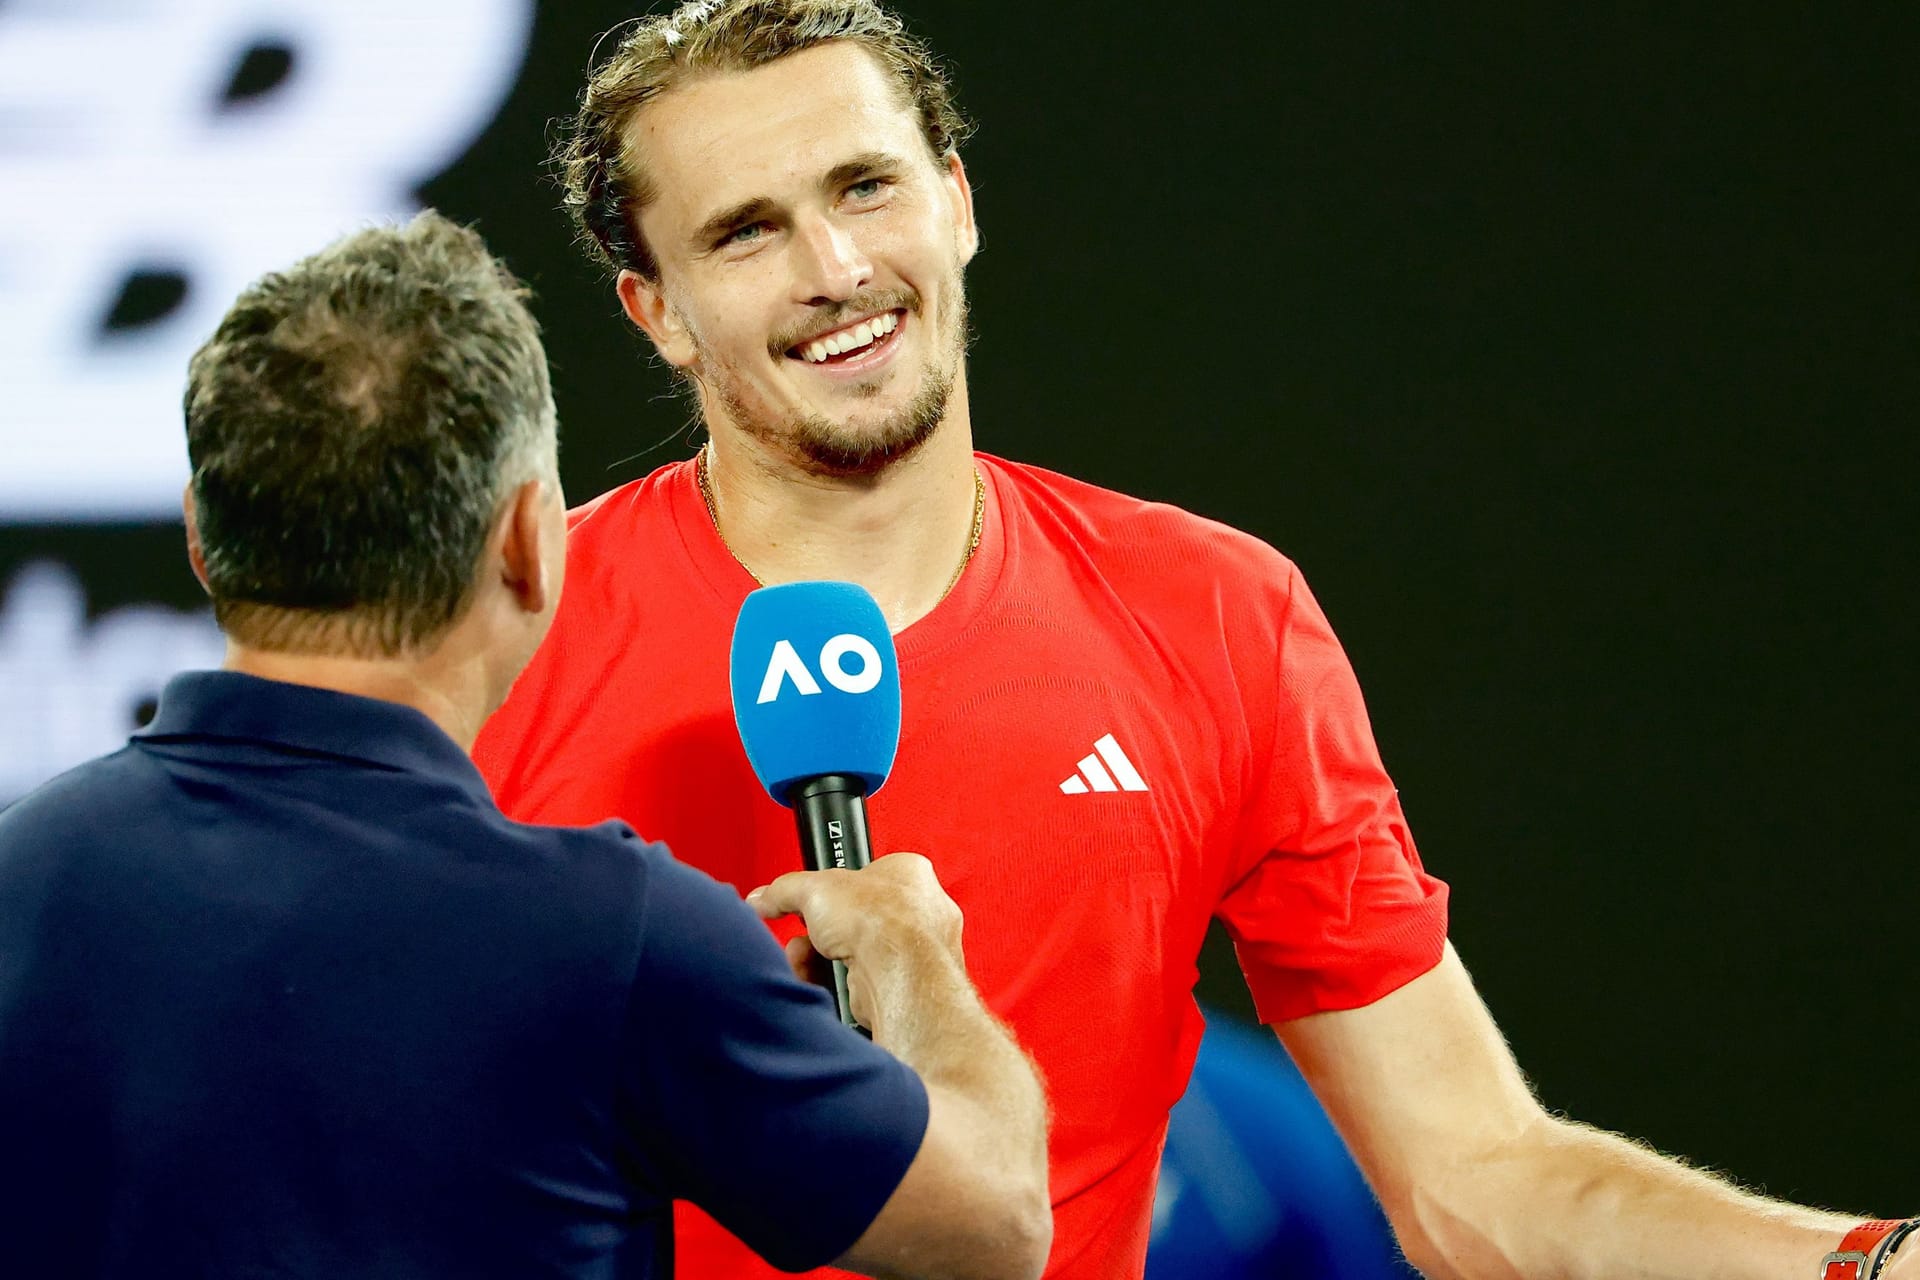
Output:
[[799, 956], [808, 964], [786, 895]]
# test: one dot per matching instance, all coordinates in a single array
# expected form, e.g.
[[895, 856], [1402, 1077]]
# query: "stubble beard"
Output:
[[843, 448]]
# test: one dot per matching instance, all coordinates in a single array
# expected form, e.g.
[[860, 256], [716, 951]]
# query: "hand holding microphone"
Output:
[[816, 693], [892, 926]]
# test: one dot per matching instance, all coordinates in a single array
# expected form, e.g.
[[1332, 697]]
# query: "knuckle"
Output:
[[910, 866]]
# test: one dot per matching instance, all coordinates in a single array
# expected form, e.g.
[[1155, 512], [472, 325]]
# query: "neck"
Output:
[[901, 532], [447, 690]]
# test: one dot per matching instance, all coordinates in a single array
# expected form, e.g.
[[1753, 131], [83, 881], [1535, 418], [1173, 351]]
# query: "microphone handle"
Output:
[[831, 814]]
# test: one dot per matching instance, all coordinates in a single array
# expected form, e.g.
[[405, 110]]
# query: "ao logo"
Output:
[[156, 157], [786, 665]]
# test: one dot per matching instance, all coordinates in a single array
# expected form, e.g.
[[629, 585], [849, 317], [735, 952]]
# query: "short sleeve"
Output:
[[1329, 907], [744, 1093]]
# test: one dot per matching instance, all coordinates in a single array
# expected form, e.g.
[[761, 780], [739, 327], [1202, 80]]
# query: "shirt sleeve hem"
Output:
[[1281, 994], [881, 1178]]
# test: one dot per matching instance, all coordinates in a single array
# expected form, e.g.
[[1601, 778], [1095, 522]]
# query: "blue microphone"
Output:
[[816, 696]]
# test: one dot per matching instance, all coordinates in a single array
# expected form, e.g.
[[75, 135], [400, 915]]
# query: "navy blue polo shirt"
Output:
[[283, 994]]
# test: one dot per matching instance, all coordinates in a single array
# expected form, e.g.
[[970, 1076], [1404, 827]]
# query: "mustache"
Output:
[[828, 318]]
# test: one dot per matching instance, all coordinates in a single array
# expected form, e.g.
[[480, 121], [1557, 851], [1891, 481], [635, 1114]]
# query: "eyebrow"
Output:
[[864, 165], [739, 215], [759, 208]]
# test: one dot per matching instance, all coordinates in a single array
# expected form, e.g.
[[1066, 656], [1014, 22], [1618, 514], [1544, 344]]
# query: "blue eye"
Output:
[[746, 234], [866, 189]]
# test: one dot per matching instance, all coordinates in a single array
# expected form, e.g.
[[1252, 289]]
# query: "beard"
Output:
[[845, 447]]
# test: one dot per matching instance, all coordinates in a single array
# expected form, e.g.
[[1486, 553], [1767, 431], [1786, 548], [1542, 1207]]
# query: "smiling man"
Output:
[[799, 259], [1162, 721]]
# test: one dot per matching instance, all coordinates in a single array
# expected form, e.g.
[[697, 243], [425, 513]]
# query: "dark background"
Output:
[[1571, 355]]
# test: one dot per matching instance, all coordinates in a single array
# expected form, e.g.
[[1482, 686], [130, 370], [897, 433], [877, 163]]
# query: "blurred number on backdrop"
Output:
[[156, 155]]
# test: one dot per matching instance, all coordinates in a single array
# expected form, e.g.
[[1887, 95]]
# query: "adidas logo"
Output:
[[1116, 774]]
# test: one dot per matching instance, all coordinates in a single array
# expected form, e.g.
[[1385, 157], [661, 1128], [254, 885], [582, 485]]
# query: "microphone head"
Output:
[[816, 685]]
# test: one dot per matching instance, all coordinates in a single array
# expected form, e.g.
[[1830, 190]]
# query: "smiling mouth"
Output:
[[851, 342]]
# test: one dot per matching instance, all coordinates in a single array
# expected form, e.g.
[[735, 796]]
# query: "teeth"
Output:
[[852, 339]]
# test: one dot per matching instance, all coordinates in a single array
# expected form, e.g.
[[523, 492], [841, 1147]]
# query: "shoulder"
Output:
[[1150, 551], [108, 788], [622, 558], [616, 518]]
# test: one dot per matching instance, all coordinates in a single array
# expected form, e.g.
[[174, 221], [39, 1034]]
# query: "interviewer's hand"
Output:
[[891, 922], [974, 1202]]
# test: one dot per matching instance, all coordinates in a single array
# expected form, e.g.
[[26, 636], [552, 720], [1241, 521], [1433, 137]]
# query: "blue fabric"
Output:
[[1255, 1183], [282, 994]]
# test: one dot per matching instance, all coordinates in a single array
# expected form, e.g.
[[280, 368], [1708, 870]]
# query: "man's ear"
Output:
[[526, 558], [195, 556], [648, 307], [960, 197]]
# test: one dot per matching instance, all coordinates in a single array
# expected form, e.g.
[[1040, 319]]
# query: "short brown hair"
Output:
[[604, 190], [354, 425]]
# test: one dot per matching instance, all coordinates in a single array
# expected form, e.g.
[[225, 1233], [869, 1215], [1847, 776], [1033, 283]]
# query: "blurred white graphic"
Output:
[[155, 157], [71, 689]]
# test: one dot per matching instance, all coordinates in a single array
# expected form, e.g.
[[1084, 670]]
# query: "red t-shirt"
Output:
[[1124, 721]]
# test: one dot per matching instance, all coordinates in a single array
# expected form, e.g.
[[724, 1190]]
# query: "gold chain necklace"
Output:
[[973, 533]]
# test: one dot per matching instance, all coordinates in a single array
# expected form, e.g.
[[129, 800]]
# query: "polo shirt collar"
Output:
[[212, 706]]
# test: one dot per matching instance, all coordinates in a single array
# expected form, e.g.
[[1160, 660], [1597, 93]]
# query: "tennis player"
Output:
[[1122, 721]]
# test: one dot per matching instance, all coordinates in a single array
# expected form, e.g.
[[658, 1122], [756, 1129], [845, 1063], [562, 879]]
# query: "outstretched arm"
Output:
[[974, 1203], [1481, 1183]]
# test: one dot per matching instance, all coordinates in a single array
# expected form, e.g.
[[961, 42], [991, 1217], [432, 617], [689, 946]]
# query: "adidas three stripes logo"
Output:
[[1107, 769]]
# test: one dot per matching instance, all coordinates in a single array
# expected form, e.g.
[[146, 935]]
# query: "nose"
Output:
[[831, 266]]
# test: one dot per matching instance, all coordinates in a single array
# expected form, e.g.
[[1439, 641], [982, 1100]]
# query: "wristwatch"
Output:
[[1866, 1249]]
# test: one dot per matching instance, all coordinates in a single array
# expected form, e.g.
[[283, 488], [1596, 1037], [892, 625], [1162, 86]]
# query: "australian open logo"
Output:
[[786, 665]]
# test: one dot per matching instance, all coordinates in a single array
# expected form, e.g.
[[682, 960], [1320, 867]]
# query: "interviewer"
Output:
[[283, 994]]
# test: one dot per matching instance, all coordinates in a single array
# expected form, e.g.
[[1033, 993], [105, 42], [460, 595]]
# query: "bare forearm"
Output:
[[1566, 1202], [975, 1204], [1482, 1184], [931, 1018]]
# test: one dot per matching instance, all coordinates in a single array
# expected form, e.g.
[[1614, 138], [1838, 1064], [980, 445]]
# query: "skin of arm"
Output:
[[1480, 1182], [974, 1203]]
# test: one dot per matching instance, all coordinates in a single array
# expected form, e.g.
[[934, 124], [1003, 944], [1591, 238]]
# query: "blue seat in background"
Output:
[[1256, 1183]]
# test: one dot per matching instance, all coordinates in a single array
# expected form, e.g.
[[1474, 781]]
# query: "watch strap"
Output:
[[1849, 1261]]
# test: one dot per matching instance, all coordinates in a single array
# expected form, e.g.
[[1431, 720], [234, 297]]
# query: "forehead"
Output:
[[737, 135]]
